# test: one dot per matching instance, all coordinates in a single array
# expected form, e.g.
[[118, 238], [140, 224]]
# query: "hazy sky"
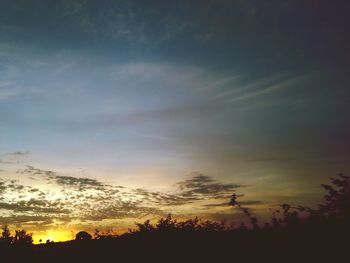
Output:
[[114, 111]]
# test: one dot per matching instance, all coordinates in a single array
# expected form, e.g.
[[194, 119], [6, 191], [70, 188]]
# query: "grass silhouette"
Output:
[[294, 234]]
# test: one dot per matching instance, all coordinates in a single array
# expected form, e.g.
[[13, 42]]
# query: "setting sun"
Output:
[[52, 235]]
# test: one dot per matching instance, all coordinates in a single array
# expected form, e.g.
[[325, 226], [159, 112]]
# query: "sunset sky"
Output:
[[113, 112]]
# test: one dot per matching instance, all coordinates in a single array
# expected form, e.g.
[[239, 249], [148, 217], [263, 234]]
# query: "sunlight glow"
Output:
[[52, 235]]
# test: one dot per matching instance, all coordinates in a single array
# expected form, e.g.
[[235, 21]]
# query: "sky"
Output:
[[113, 112]]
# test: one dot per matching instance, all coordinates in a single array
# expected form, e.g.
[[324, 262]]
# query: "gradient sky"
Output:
[[118, 111]]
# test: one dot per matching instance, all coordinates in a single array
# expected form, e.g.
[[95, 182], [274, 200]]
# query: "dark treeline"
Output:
[[294, 234]]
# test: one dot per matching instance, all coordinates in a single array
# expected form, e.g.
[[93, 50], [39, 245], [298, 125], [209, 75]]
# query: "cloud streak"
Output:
[[270, 89]]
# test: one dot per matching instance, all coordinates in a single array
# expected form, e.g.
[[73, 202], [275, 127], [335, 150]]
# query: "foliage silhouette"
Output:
[[83, 236], [337, 199], [6, 238], [22, 238], [253, 219]]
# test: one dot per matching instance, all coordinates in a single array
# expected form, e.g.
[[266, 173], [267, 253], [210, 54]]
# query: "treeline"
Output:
[[333, 212], [20, 238]]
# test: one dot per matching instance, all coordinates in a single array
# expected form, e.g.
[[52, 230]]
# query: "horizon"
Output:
[[114, 112]]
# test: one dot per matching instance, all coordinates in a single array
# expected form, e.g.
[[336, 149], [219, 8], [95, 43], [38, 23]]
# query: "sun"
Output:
[[51, 235]]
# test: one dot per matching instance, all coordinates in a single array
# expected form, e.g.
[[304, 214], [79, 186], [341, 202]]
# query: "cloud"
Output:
[[13, 186], [8, 93], [2, 187], [80, 183], [179, 113], [19, 153], [164, 199], [7, 162], [84, 199], [20, 220], [251, 85], [203, 186], [197, 188], [243, 203], [126, 210], [268, 89], [10, 84], [87, 199], [35, 206]]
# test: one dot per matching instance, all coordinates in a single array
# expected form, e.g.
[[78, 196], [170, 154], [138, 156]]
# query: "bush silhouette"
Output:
[[337, 198], [83, 236], [22, 238], [6, 238]]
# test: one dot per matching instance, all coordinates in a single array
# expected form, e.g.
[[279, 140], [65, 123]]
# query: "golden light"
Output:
[[52, 235]]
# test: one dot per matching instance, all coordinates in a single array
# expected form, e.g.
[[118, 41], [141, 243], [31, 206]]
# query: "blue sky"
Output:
[[147, 94]]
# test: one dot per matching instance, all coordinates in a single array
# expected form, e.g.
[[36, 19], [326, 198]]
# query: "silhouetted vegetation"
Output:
[[294, 234], [83, 236], [21, 238]]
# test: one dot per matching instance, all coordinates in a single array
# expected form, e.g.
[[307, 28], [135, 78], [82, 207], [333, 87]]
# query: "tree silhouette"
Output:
[[83, 236], [253, 219], [6, 238], [22, 238], [337, 198]]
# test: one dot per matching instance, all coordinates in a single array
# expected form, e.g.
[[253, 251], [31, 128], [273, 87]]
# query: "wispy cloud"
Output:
[[240, 87], [6, 93], [264, 90]]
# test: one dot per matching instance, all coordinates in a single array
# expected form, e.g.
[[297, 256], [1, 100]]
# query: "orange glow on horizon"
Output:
[[52, 235]]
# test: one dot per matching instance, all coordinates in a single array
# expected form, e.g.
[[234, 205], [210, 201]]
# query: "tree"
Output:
[[6, 237], [253, 219], [22, 238], [83, 236], [337, 198]]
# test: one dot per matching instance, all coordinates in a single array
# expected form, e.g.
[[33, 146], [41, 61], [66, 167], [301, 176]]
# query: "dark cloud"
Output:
[[20, 220], [35, 171], [35, 206], [12, 186], [80, 183], [244, 203], [126, 210], [164, 199], [197, 188], [201, 186], [19, 153], [2, 186]]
